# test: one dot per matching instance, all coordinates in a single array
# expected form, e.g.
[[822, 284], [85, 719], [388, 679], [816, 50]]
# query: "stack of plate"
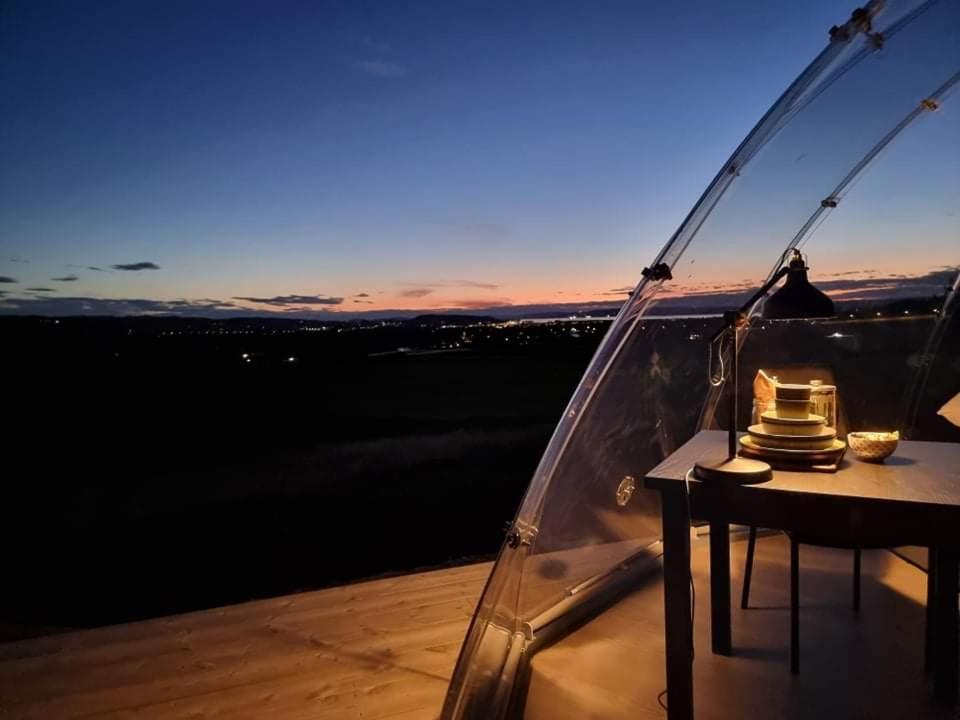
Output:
[[791, 435]]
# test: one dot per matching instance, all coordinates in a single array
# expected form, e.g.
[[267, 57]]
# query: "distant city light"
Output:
[[836, 335], [246, 356]]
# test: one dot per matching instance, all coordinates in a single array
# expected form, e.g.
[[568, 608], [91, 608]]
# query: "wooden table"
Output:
[[914, 496]]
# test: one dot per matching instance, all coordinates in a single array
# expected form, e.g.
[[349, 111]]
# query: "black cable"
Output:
[[660, 702], [693, 614]]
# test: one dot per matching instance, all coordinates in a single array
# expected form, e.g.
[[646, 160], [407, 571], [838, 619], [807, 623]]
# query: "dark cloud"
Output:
[[851, 273], [96, 269], [845, 289], [364, 302], [620, 291], [18, 260], [136, 267], [928, 284], [5, 279], [423, 288], [65, 278], [703, 298], [287, 300], [40, 289], [473, 304], [416, 292], [55, 305], [696, 291], [481, 285], [362, 295]]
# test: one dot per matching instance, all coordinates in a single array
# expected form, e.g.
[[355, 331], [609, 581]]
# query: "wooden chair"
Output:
[[872, 544], [795, 542], [801, 374]]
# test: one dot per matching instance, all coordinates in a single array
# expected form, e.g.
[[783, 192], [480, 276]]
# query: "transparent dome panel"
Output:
[[856, 165]]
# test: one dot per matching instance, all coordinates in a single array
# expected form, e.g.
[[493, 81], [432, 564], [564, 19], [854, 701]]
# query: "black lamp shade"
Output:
[[797, 298]]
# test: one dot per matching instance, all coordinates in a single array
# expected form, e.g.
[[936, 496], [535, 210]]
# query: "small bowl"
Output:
[[793, 392], [873, 446], [795, 409]]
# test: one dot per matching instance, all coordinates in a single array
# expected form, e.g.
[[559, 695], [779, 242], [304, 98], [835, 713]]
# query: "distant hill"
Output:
[[437, 319]]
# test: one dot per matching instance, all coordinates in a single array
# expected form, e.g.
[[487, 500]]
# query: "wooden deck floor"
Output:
[[866, 667], [385, 649], [380, 649]]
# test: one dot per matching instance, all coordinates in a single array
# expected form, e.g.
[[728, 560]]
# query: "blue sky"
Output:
[[387, 155]]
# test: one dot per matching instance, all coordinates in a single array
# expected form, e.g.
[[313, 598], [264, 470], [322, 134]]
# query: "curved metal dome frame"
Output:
[[508, 627]]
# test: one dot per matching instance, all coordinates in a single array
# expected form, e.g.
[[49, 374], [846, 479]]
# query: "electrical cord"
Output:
[[716, 381]]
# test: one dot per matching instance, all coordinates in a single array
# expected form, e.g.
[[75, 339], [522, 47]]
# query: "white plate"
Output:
[[821, 441]]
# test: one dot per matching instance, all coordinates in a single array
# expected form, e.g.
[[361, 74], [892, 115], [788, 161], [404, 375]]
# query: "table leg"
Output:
[[720, 586], [945, 654], [677, 609]]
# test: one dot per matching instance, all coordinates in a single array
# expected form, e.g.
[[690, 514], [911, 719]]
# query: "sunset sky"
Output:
[[352, 156]]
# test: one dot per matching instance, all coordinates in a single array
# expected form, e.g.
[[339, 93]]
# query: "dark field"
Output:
[[153, 466], [150, 473]]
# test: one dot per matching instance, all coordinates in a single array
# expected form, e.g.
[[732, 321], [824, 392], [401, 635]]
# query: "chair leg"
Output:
[[748, 569], [794, 606], [856, 580], [930, 634]]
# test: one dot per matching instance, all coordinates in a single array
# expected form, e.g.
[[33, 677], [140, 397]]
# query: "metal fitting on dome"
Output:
[[660, 271]]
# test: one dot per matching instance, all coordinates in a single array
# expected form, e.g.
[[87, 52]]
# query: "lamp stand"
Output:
[[732, 469]]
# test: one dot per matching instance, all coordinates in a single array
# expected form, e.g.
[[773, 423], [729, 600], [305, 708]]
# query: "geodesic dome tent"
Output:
[[858, 165]]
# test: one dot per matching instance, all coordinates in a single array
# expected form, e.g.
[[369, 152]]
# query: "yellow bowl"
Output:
[[795, 409], [793, 392], [873, 446]]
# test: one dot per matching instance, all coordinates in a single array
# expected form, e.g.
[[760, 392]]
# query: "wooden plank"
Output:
[[285, 652], [366, 595], [379, 649]]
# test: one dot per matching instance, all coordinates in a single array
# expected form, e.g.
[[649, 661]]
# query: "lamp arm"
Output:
[[777, 277], [733, 317]]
